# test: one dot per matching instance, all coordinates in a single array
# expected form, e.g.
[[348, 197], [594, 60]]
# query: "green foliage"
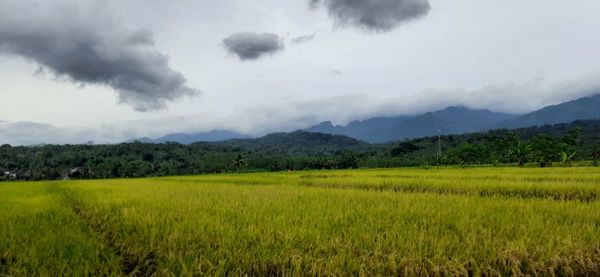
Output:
[[471, 153], [567, 157], [239, 162], [298, 151], [545, 150], [522, 152], [403, 148]]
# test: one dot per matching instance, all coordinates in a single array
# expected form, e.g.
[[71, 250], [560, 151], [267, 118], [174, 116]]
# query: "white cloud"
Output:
[[289, 115]]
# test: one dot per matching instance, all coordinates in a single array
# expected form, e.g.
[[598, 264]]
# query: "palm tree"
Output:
[[238, 162]]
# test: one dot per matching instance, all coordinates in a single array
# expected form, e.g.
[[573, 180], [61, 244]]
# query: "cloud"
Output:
[[289, 114], [516, 98], [31, 133], [303, 39], [85, 45], [252, 46], [374, 15], [336, 72]]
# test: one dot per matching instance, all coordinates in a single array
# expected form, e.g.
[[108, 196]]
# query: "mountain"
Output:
[[300, 143], [580, 109], [452, 120], [185, 138], [377, 129]]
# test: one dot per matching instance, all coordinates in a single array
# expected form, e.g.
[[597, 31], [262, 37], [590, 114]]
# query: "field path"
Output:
[[132, 264]]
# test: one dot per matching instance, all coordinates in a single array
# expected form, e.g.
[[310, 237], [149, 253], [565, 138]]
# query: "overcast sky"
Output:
[[111, 70]]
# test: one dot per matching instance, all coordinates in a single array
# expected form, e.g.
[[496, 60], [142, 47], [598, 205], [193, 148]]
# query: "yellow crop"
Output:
[[451, 221]]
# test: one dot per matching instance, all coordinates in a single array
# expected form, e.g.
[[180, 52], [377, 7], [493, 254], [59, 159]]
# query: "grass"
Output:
[[39, 236], [491, 221]]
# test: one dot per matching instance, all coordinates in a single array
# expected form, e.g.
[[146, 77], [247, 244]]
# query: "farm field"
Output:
[[448, 221]]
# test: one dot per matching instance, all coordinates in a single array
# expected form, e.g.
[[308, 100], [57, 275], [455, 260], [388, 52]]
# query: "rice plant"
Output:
[[451, 221]]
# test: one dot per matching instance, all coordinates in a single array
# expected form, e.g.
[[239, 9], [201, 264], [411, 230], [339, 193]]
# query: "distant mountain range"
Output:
[[580, 109], [184, 138], [458, 120], [451, 120]]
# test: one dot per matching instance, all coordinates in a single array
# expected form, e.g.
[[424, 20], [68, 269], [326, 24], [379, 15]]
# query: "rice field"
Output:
[[427, 222]]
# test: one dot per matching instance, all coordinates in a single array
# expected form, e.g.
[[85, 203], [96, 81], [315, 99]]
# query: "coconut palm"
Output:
[[238, 162]]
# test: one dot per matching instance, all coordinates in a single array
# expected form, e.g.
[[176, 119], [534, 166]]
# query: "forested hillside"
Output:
[[541, 145], [537, 146]]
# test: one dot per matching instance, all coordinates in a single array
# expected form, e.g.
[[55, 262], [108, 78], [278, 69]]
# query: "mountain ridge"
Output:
[[451, 120], [189, 138], [578, 109]]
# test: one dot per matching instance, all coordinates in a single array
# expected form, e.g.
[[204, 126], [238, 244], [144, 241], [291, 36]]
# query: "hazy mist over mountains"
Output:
[[184, 138], [582, 108], [458, 120], [451, 120]]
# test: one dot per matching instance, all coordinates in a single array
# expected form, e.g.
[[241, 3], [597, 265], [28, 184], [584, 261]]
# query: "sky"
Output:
[[112, 70]]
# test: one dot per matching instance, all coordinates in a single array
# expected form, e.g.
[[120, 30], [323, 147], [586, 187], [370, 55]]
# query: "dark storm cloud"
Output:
[[85, 45], [251, 46], [304, 38], [374, 15]]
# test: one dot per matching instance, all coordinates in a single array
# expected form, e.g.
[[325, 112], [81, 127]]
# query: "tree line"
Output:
[[541, 146], [132, 160], [542, 150]]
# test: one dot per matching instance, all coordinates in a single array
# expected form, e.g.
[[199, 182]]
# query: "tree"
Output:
[[572, 138], [471, 153], [545, 150], [567, 157], [346, 159], [497, 148], [239, 162], [512, 141], [568, 143], [404, 148]]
